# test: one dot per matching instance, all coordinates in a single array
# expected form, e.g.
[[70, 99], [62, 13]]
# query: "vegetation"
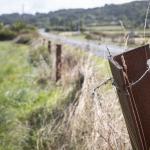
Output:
[[131, 14], [29, 100], [38, 114], [6, 34], [21, 98], [21, 32]]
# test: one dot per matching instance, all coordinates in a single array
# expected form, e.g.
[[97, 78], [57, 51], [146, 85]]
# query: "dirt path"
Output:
[[97, 49]]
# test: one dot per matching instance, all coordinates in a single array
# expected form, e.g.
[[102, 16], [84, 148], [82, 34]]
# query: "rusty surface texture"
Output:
[[58, 62], [132, 80]]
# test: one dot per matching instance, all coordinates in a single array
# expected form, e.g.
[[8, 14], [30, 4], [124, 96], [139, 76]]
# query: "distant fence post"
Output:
[[49, 47], [58, 62]]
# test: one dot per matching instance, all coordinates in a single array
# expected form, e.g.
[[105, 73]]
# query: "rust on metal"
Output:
[[131, 75], [49, 47], [58, 61]]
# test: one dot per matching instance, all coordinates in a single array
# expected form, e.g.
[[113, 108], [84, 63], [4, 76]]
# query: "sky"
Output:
[[32, 6]]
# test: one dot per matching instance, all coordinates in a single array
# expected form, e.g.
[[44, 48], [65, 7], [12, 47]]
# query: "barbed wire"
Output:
[[137, 81], [101, 84]]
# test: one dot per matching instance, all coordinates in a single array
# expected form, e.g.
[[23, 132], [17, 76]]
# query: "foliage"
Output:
[[62, 115], [7, 34], [22, 27], [24, 31], [132, 14], [20, 97], [26, 105], [18, 26]]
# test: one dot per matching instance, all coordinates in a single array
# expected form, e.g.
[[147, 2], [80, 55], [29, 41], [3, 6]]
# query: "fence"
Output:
[[131, 73]]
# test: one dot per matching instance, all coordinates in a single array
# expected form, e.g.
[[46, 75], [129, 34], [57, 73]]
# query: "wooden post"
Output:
[[49, 47], [58, 61]]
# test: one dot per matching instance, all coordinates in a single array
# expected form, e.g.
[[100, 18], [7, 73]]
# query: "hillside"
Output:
[[132, 14]]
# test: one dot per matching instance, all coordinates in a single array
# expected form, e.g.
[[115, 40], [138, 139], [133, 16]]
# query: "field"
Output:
[[105, 28], [20, 97], [113, 35], [32, 105]]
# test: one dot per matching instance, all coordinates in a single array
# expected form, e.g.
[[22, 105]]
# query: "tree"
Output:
[[18, 26]]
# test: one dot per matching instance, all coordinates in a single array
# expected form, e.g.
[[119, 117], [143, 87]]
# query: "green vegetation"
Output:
[[29, 99], [131, 14], [6, 34], [23, 101], [18, 29], [38, 114], [21, 27]]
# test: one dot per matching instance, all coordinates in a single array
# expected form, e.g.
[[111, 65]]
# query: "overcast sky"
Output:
[[32, 6]]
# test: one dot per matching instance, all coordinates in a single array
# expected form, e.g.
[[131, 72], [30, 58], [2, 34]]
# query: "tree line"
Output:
[[131, 14]]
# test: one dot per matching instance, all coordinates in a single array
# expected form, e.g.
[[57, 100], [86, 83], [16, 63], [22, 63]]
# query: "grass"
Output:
[[52, 116], [92, 120], [20, 95], [13, 87], [108, 30]]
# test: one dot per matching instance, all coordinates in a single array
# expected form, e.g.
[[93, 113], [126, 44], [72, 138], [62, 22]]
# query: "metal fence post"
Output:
[[131, 75]]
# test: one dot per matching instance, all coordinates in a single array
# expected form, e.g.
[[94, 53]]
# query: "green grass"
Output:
[[26, 107], [105, 28], [115, 29], [20, 96]]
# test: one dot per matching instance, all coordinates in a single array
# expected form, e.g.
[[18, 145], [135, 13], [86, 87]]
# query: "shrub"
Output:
[[18, 26], [22, 28], [7, 34]]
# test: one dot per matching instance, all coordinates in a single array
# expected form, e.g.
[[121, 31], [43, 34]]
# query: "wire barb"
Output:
[[109, 52], [101, 84]]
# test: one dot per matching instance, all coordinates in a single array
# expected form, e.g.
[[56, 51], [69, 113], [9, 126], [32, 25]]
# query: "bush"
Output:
[[7, 34], [18, 26]]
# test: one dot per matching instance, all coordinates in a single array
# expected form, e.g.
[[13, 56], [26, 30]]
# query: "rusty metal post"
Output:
[[132, 79], [58, 61], [49, 47]]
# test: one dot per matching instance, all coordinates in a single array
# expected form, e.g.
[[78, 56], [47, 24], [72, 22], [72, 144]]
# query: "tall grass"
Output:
[[38, 114], [89, 121]]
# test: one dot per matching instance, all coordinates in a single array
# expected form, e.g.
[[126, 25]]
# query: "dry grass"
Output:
[[90, 121]]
